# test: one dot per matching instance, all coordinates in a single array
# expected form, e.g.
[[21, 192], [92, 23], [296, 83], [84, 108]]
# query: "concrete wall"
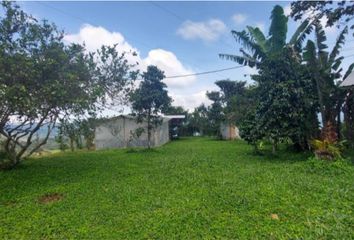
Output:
[[229, 131], [119, 132]]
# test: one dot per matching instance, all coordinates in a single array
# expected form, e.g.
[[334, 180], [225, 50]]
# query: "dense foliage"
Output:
[[336, 12], [42, 79], [294, 83], [286, 109], [150, 100], [77, 133]]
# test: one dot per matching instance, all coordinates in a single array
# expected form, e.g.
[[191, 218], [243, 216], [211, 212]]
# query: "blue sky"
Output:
[[178, 37]]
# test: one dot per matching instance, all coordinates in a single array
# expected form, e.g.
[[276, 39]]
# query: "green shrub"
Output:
[[326, 150]]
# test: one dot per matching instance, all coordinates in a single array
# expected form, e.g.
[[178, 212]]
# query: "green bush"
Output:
[[327, 150]]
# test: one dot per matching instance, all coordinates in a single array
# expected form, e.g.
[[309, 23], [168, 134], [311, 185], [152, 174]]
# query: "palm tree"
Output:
[[257, 47]]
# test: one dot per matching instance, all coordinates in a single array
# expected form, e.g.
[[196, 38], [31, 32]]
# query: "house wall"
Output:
[[119, 133], [229, 131]]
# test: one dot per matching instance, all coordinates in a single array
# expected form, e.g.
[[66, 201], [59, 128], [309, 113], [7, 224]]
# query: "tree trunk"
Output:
[[12, 163], [149, 129], [72, 144], [338, 124], [274, 147], [320, 99], [348, 111]]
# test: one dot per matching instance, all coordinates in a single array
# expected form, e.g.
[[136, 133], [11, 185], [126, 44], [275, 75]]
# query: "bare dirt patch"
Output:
[[50, 197]]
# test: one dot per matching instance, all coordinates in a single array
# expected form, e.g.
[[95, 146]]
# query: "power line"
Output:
[[183, 19], [83, 20], [207, 72], [204, 73], [219, 70], [146, 45]]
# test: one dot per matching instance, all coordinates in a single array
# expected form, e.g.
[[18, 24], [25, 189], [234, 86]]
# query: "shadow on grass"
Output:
[[281, 156]]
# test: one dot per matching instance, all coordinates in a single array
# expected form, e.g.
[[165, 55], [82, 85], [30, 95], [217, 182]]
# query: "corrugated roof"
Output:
[[349, 81], [165, 117]]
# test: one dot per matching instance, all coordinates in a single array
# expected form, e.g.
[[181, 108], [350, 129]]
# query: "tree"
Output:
[[69, 130], [334, 11], [75, 131], [237, 99], [60, 138], [215, 112], [150, 99], [326, 71], [257, 47], [348, 111], [87, 130], [42, 80], [198, 120], [175, 110], [284, 109]]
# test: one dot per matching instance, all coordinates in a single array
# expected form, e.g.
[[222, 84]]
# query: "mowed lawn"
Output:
[[195, 188]]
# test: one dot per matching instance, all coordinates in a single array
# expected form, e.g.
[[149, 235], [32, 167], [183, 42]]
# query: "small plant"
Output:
[[326, 150], [135, 135]]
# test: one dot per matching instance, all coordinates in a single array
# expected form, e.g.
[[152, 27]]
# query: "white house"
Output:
[[120, 132], [348, 81], [229, 131]]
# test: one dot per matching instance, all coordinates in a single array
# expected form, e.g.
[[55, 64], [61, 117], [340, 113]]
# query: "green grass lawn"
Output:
[[188, 189]]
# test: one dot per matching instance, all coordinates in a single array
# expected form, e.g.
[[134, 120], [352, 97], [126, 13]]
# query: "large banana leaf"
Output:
[[339, 43], [243, 60], [278, 29], [349, 71], [300, 34], [258, 37]]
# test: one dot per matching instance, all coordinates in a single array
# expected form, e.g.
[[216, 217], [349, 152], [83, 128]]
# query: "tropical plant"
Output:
[[285, 108], [326, 150], [334, 11], [257, 47], [325, 69]]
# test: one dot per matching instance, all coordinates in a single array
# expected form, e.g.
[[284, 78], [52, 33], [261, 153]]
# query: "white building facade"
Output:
[[121, 132]]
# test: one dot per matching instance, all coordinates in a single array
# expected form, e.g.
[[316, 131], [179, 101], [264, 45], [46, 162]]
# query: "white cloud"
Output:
[[190, 101], [287, 10], [239, 18], [168, 62], [312, 14], [250, 71], [207, 31], [261, 26], [329, 30], [94, 37]]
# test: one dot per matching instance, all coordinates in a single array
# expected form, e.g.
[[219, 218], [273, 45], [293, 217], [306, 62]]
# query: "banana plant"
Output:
[[256, 47], [325, 68]]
